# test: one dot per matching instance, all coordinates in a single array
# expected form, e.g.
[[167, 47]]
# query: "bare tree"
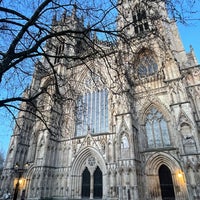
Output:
[[26, 33], [30, 29]]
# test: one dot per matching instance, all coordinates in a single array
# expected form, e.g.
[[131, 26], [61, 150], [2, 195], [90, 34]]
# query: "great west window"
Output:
[[92, 112]]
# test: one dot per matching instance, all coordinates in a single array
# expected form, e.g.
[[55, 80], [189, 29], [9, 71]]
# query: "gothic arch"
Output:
[[156, 160], [123, 130], [80, 163], [31, 179], [84, 73], [184, 119], [149, 49], [92, 95], [145, 50], [153, 102], [152, 167], [187, 132], [124, 147], [123, 127]]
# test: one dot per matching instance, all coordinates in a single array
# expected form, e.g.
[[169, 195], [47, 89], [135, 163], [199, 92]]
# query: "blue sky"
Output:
[[5, 132], [190, 35]]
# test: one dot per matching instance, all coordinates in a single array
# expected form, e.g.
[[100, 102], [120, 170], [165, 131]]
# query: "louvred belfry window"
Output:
[[140, 21], [59, 52]]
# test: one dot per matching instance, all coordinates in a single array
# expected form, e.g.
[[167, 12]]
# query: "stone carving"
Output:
[[91, 161], [124, 142]]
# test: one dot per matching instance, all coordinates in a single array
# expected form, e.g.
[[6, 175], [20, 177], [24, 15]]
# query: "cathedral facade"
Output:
[[125, 124]]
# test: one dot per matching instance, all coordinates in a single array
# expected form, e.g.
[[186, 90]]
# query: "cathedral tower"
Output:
[[127, 131]]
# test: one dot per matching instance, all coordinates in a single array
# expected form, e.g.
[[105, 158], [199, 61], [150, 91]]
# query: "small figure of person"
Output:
[[6, 196]]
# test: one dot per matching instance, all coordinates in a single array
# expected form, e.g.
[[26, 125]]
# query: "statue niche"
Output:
[[124, 146], [188, 140]]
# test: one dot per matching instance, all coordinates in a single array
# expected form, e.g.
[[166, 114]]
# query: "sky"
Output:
[[6, 128], [189, 34]]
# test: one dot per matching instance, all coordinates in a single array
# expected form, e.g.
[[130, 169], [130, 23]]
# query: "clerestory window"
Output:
[[156, 130]]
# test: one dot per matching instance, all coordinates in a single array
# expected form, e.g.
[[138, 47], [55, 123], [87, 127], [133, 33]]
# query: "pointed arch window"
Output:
[[92, 109], [59, 52], [156, 129], [146, 66]]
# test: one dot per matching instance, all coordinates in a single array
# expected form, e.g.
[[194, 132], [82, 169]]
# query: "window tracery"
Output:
[[92, 108], [140, 21], [156, 129], [146, 65], [91, 161]]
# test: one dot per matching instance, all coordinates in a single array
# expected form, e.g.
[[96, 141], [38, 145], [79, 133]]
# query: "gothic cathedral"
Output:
[[125, 124]]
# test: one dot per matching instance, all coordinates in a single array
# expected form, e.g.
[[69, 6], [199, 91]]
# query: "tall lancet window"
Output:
[[59, 51], [92, 108], [156, 130]]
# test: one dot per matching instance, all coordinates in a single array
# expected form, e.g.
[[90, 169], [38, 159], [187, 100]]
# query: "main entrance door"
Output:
[[98, 183], [85, 183], [92, 186], [166, 184]]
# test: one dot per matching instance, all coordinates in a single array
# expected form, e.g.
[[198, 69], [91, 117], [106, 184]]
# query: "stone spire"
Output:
[[54, 19], [74, 11]]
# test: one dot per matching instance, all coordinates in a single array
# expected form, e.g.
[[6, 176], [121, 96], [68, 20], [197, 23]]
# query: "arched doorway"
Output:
[[98, 183], [166, 184], [85, 183], [83, 171]]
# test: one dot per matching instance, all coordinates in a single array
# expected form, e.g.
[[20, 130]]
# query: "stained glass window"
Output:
[[92, 113], [156, 130], [147, 66]]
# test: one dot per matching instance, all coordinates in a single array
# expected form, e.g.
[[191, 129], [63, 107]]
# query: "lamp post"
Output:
[[19, 171]]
